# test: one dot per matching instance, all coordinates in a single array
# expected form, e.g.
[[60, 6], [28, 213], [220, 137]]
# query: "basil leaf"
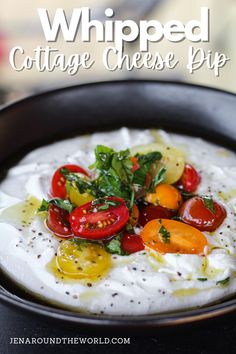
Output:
[[63, 204], [60, 203], [103, 156], [165, 234], [109, 184], [149, 158], [122, 165], [223, 282], [209, 204]]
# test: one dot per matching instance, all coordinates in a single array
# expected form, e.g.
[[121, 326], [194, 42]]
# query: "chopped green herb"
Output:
[[80, 243], [83, 185], [109, 184], [223, 282], [209, 204], [177, 218], [202, 279], [114, 246], [158, 178], [64, 171], [107, 202], [165, 234], [43, 207], [129, 227], [115, 177], [145, 162], [103, 207], [186, 195]]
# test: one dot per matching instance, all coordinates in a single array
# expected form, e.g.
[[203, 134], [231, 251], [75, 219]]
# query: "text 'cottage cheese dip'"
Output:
[[134, 283]]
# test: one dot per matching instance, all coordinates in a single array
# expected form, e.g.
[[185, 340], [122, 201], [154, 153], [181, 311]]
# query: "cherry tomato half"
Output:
[[194, 212], [58, 186], [58, 221], [151, 212], [135, 163], [170, 236], [166, 196], [132, 243], [99, 221], [134, 215], [190, 179], [88, 261]]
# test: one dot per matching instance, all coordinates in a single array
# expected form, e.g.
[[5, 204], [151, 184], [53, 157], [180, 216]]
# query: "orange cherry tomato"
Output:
[[134, 216], [170, 236], [166, 196]]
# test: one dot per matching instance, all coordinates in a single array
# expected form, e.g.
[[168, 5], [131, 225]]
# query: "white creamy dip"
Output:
[[142, 283]]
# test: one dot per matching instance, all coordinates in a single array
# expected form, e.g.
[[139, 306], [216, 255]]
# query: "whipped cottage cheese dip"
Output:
[[141, 283]]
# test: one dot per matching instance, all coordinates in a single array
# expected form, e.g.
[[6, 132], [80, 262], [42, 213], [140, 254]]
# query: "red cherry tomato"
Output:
[[151, 212], [58, 187], [195, 213], [58, 221], [132, 243], [99, 221], [190, 179], [135, 163]]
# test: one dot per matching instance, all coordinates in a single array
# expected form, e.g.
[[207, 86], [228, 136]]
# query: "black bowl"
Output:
[[181, 108]]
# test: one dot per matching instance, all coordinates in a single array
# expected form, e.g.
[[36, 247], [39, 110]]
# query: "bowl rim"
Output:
[[156, 320], [171, 319], [12, 104]]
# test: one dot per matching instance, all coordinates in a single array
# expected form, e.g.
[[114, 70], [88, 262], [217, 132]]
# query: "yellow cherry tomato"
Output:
[[78, 198], [172, 159], [83, 261]]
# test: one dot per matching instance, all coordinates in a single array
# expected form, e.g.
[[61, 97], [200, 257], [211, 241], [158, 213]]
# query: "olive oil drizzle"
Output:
[[21, 214]]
